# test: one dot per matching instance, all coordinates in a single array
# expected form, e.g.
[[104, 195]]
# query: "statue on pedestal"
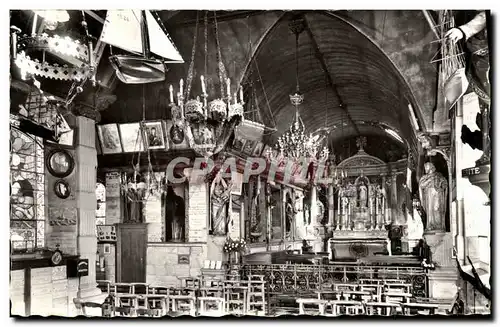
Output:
[[363, 195], [175, 214], [433, 191], [220, 196]]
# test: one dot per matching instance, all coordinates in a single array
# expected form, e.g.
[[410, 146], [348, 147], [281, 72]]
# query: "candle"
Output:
[[241, 94], [181, 86], [203, 90], [171, 91], [235, 99], [179, 98], [228, 87]]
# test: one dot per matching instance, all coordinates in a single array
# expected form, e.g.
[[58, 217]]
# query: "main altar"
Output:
[[368, 212]]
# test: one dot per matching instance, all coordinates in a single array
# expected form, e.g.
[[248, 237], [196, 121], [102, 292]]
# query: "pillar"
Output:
[[385, 212], [459, 229], [331, 206], [394, 199], [86, 169]]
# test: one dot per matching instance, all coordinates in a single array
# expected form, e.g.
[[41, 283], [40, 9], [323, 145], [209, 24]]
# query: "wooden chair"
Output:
[[85, 306], [319, 306], [211, 306], [256, 299], [104, 285], [156, 305], [347, 307], [381, 308], [130, 302], [183, 304], [236, 299]]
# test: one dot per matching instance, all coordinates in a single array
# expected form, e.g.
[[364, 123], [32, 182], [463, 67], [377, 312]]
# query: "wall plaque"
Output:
[[183, 259]]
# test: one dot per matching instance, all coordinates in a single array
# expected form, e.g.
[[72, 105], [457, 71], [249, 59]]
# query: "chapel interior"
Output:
[[249, 162]]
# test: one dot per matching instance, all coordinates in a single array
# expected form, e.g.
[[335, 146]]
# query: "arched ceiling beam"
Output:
[[256, 49], [221, 17], [324, 66], [412, 99]]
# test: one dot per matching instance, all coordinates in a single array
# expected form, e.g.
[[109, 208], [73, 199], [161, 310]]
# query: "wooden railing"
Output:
[[301, 279]]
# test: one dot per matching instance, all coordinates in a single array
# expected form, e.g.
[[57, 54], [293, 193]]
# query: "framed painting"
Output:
[[238, 144], [131, 137], [66, 139], [60, 163], [249, 147], [176, 135], [110, 138], [154, 135], [257, 151]]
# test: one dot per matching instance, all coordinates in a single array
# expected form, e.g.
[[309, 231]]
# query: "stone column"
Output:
[[394, 198], [339, 212], [86, 169], [331, 206], [385, 212], [459, 232]]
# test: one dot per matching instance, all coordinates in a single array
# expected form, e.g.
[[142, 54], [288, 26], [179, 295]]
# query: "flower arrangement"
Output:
[[237, 245], [427, 265]]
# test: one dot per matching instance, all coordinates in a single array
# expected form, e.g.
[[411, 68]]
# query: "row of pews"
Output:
[[199, 296], [367, 297]]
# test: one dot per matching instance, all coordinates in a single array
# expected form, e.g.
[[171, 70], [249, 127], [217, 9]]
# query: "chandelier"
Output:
[[208, 124], [295, 144], [140, 185], [53, 56]]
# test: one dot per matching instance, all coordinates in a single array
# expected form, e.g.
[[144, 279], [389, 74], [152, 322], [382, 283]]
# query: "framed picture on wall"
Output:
[[154, 135], [238, 144], [249, 147], [131, 137], [67, 138], [110, 138], [257, 151], [176, 135]]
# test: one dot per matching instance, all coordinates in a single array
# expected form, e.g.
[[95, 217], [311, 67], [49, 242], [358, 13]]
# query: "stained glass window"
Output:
[[27, 184]]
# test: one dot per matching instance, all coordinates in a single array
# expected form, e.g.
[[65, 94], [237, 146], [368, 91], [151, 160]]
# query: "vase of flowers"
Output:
[[234, 248]]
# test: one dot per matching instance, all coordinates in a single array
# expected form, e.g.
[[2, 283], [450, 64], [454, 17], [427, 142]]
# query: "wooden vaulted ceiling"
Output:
[[358, 70]]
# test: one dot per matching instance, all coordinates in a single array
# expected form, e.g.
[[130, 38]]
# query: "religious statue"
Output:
[[433, 188], [220, 197], [363, 195], [289, 216], [345, 203], [175, 214]]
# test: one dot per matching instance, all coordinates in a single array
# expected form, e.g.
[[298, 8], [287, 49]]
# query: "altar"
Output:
[[368, 207]]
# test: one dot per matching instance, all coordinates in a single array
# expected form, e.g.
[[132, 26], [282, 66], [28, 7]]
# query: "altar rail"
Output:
[[301, 279]]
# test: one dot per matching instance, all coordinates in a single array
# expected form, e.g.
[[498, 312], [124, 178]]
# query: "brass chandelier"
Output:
[[295, 144]]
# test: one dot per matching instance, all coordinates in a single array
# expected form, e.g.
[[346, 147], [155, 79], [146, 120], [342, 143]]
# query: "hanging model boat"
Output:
[[138, 32]]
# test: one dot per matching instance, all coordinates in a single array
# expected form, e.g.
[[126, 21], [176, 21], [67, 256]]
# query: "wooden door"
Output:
[[131, 253]]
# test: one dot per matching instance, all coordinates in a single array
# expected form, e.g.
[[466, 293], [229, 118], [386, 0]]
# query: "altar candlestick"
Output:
[[181, 83], [203, 90], [171, 91], [228, 87]]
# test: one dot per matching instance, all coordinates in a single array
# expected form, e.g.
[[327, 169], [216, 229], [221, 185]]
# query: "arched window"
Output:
[[27, 186]]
